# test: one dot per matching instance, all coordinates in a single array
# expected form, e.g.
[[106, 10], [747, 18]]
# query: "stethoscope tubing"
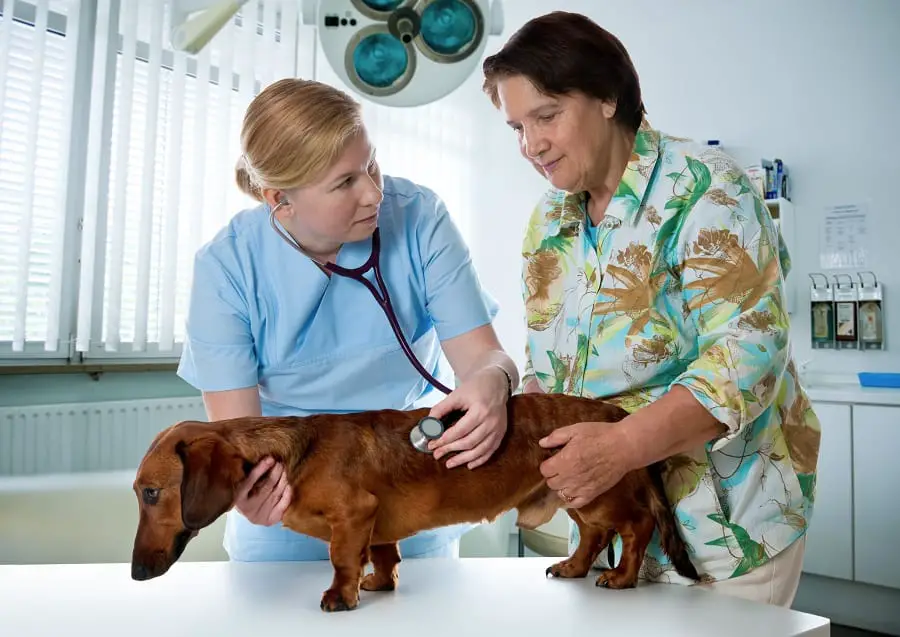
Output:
[[381, 294]]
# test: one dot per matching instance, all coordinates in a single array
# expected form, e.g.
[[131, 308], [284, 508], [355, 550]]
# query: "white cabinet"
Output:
[[829, 542], [876, 479]]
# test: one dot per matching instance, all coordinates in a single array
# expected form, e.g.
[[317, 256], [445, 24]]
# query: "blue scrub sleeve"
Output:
[[219, 352], [454, 297]]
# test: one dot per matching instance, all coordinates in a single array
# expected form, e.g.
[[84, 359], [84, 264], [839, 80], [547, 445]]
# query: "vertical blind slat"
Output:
[[73, 13], [25, 219], [90, 245], [221, 161], [118, 205], [248, 52], [288, 45], [145, 235], [6, 24], [198, 210], [269, 71], [176, 114]]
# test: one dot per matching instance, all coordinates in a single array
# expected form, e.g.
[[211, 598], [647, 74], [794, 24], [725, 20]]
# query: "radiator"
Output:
[[96, 436]]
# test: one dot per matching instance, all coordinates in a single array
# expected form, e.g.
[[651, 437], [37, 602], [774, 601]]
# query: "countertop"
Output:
[[841, 392], [435, 597]]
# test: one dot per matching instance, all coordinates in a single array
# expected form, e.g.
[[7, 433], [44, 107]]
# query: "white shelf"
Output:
[[782, 211]]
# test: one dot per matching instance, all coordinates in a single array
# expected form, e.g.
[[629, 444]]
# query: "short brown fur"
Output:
[[358, 483]]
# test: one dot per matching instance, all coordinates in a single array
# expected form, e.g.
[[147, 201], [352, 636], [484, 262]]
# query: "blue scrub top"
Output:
[[262, 314]]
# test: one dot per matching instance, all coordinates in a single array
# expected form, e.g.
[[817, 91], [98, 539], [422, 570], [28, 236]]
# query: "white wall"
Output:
[[813, 82]]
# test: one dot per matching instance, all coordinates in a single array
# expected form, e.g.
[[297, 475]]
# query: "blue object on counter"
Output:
[[872, 379]]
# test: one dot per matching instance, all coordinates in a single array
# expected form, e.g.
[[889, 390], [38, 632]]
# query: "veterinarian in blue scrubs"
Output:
[[270, 332]]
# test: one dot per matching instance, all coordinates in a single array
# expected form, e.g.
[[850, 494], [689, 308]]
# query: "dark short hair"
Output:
[[563, 52]]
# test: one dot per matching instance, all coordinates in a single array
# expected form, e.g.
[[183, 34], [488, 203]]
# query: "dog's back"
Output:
[[416, 492]]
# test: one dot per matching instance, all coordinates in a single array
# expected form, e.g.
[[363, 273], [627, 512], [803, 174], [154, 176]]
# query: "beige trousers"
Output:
[[773, 583]]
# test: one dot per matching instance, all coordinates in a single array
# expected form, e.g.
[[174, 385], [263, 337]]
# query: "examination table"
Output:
[[435, 597]]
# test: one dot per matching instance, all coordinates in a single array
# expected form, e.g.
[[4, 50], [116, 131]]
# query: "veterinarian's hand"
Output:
[[264, 499], [593, 458], [479, 432], [532, 386]]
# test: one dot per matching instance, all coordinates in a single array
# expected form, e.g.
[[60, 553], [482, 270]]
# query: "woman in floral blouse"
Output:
[[653, 277]]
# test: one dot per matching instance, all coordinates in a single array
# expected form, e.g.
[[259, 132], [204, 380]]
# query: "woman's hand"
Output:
[[593, 458], [532, 386], [264, 499], [478, 433]]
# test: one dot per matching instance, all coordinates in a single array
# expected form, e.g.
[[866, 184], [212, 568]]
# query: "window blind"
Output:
[[37, 56], [171, 148], [159, 142]]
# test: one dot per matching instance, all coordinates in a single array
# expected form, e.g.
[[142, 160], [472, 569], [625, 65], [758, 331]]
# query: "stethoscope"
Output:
[[428, 428]]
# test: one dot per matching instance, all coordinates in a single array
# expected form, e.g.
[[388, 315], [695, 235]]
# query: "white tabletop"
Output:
[[474, 596]]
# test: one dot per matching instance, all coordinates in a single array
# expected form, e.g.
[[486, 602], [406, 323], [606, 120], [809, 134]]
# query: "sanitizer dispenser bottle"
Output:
[[846, 303], [871, 319], [821, 313]]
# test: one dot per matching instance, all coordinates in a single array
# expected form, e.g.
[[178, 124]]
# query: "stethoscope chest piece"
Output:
[[426, 430]]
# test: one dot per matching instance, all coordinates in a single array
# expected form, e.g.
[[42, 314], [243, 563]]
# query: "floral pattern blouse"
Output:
[[682, 282]]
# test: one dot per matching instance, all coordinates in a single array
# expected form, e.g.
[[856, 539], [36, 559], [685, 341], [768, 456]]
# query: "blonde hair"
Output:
[[292, 132]]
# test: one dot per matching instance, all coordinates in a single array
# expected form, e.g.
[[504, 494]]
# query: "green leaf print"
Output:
[[743, 567], [749, 396], [558, 242], [670, 231], [754, 553], [702, 178], [718, 518], [644, 143], [624, 191], [719, 541], [807, 484], [590, 274], [560, 372], [581, 356]]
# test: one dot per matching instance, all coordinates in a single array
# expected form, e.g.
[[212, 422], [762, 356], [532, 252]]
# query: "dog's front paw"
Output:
[[333, 600], [616, 579], [568, 569], [378, 582]]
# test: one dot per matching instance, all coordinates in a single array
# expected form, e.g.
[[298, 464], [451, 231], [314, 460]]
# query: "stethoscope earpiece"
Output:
[[426, 430]]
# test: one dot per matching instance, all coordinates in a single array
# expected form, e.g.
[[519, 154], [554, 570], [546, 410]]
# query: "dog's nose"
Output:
[[139, 571]]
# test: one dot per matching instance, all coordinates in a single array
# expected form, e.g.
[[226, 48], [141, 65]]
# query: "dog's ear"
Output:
[[211, 470]]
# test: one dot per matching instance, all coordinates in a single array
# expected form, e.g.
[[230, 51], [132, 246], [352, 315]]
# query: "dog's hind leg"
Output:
[[592, 540], [351, 532], [385, 559], [636, 536]]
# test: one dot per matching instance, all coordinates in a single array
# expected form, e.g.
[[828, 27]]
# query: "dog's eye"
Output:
[[151, 496]]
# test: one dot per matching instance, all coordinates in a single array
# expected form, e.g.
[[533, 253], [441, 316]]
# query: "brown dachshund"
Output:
[[359, 484]]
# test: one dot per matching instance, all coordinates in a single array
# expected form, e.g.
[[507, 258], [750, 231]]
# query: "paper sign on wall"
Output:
[[843, 237]]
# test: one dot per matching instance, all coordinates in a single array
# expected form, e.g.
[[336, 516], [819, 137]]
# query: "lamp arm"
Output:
[[196, 22]]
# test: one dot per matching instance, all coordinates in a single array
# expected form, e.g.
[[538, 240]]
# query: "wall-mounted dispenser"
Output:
[[846, 302], [821, 313], [871, 320]]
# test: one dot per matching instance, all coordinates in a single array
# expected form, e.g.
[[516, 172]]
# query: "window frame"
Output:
[[34, 357], [34, 352]]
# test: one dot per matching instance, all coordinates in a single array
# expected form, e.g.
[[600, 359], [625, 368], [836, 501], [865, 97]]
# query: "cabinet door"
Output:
[[829, 541], [876, 476]]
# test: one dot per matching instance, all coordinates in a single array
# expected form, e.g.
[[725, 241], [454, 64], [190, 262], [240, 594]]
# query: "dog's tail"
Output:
[[669, 538]]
